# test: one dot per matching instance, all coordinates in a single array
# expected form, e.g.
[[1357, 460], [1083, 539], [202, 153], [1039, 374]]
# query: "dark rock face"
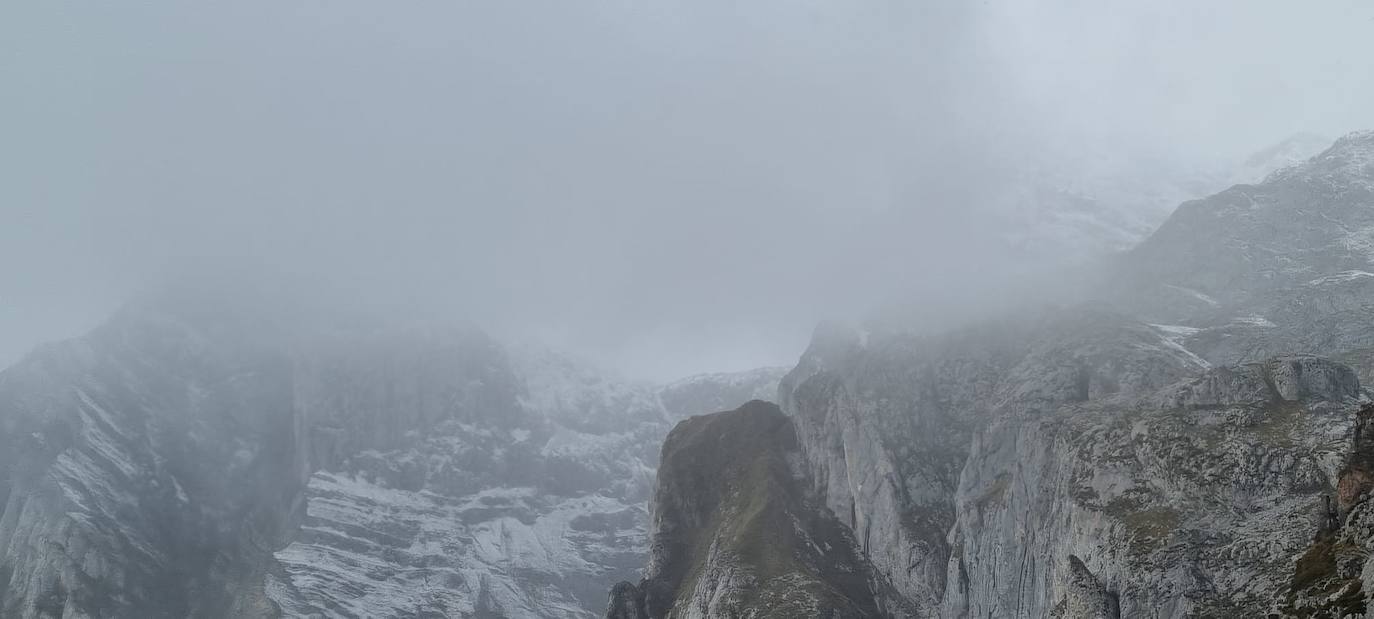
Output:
[[735, 533], [1357, 476], [627, 602], [1084, 596], [1332, 577]]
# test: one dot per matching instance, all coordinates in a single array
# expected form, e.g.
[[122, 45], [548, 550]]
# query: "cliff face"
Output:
[[1181, 490], [1180, 505], [887, 424], [736, 533], [1084, 596]]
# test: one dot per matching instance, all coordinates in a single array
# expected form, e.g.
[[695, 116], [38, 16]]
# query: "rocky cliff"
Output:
[[736, 532], [1193, 498], [1193, 501], [887, 424]]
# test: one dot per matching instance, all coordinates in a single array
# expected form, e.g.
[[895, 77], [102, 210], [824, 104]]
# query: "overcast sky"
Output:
[[668, 187]]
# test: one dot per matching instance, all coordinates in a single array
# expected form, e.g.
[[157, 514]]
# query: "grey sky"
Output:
[[666, 186]]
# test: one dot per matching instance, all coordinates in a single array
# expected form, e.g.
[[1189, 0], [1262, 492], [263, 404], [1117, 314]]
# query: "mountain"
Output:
[[1097, 200], [1291, 151], [1194, 441], [145, 469], [198, 457], [1305, 225], [1172, 449], [1279, 267]]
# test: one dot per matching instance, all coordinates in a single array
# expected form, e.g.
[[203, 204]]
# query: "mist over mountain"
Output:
[[599, 177], [688, 310], [262, 447]]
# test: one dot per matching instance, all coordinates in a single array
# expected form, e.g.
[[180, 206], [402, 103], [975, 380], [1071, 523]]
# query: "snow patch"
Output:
[[1172, 338], [1343, 276], [1195, 294], [1253, 320]]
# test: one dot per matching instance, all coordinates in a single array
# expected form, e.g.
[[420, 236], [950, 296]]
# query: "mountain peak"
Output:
[[1356, 145], [1349, 158]]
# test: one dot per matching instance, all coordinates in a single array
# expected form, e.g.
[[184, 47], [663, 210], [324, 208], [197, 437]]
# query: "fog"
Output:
[[666, 187]]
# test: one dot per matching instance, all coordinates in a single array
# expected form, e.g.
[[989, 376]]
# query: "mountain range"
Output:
[[1185, 443], [1190, 439]]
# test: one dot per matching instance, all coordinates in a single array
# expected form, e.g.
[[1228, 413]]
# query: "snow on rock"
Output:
[[1339, 278], [470, 519]]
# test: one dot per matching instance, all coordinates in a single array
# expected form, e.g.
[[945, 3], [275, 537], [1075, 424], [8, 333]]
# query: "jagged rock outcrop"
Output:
[[1357, 476], [1332, 577], [1084, 596], [736, 532]]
